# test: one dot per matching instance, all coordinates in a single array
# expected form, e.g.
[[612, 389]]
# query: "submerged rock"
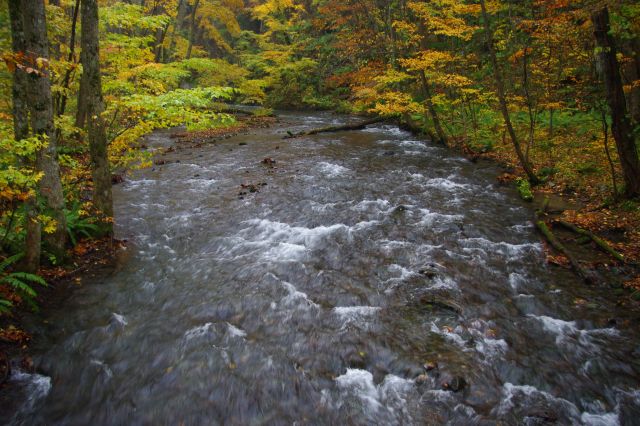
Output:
[[454, 384], [431, 365], [5, 367]]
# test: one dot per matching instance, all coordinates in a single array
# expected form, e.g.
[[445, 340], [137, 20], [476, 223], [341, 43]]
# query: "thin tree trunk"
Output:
[[432, 109], [160, 36], [91, 80], [81, 112], [621, 127], [176, 25], [605, 131], [41, 108], [62, 99], [527, 91], [192, 31], [31, 260], [631, 75], [502, 97]]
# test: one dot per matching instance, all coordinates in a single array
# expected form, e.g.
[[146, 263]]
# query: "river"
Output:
[[319, 298]]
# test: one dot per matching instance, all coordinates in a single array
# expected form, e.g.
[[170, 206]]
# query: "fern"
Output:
[[20, 282], [5, 306]]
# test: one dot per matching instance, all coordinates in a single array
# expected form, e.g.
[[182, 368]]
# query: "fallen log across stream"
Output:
[[344, 127], [599, 241], [580, 270]]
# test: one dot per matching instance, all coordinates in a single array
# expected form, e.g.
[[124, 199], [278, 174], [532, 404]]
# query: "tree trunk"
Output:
[[497, 74], [340, 128], [61, 103], [631, 77], [41, 108], [605, 133], [160, 36], [176, 25], [31, 260], [442, 137], [621, 127], [192, 31], [91, 80]]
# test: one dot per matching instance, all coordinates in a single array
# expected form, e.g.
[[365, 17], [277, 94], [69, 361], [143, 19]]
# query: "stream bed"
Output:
[[319, 298]]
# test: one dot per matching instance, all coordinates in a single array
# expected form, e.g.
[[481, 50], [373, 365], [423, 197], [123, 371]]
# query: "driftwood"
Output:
[[352, 126], [599, 241], [235, 111], [580, 270], [556, 244]]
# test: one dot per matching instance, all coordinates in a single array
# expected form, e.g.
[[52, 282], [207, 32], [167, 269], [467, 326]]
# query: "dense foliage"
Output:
[[433, 64]]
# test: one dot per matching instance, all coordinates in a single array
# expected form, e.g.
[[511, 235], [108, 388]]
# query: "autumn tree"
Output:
[[39, 97], [31, 261], [92, 83], [502, 96], [621, 124], [213, 21]]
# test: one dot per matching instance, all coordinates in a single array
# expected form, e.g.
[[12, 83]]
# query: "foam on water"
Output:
[[320, 207], [452, 335], [429, 218], [386, 402], [387, 129], [524, 398], [567, 333], [297, 297], [414, 144], [36, 387], [489, 248], [281, 242], [372, 206], [332, 170], [117, 321], [447, 184], [199, 331], [360, 383], [235, 331], [355, 315], [271, 231], [517, 281]]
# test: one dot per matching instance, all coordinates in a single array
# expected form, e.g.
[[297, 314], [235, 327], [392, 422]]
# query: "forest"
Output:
[[549, 90]]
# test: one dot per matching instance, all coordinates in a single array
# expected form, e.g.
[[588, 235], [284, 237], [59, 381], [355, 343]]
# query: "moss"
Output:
[[524, 189]]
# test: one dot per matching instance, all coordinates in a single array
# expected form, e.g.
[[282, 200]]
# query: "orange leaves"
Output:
[[34, 66], [633, 283]]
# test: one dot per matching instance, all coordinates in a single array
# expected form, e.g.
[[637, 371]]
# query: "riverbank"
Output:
[[91, 257], [583, 202]]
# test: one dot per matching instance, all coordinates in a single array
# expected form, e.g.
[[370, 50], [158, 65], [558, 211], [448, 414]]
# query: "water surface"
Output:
[[318, 299]]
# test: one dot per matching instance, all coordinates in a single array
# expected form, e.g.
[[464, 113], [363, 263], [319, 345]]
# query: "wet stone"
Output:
[[454, 384]]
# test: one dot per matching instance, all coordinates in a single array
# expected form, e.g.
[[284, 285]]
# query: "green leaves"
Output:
[[20, 282], [524, 189], [131, 18]]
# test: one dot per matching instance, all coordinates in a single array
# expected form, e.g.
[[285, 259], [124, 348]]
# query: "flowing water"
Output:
[[319, 299]]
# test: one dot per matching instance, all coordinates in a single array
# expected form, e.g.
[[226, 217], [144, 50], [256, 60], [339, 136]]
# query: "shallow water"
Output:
[[319, 299]]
